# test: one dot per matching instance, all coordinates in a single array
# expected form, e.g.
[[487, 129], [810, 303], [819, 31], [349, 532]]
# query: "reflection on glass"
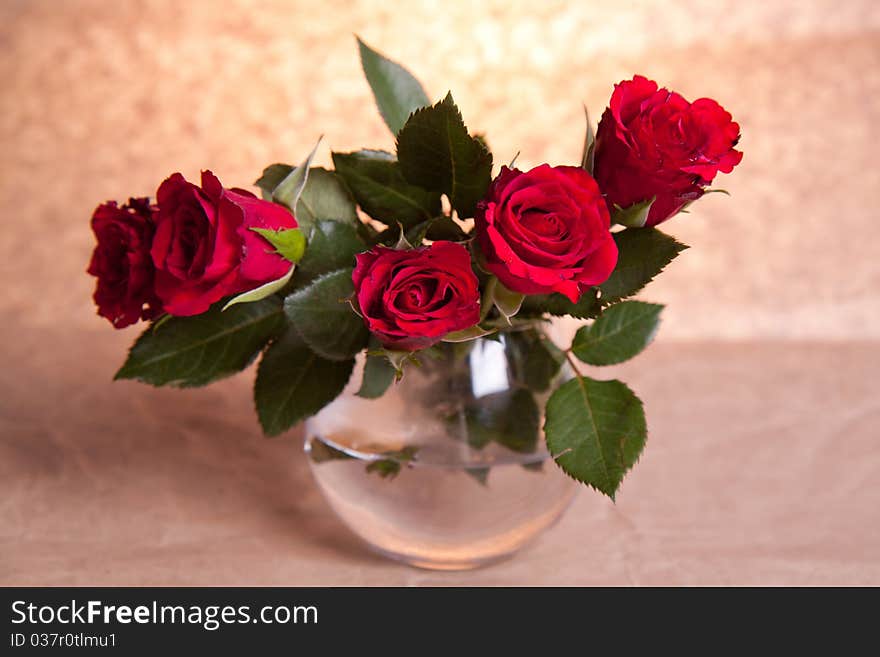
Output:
[[448, 468]]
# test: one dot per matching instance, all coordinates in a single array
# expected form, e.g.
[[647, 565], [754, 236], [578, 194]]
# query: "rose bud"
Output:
[[546, 230], [204, 248], [122, 264], [410, 299], [652, 143]]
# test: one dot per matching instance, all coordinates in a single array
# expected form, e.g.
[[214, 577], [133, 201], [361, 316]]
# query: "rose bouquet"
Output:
[[410, 257]]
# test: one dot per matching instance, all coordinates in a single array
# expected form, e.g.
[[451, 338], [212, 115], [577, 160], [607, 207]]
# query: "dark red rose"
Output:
[[410, 299], [122, 264], [653, 143], [204, 248], [546, 230]]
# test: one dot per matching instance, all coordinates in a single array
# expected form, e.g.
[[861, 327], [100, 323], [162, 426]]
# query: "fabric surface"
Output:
[[760, 468], [762, 465]]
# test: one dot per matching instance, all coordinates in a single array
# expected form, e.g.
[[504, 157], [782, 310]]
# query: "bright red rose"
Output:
[[122, 264], [653, 143], [546, 230], [204, 248], [410, 299]]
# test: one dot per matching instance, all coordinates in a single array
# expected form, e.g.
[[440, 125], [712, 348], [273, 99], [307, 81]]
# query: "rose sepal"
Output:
[[634, 216], [288, 191], [506, 301], [289, 243], [402, 244], [517, 323], [498, 296], [474, 332], [397, 359], [265, 290], [588, 154]]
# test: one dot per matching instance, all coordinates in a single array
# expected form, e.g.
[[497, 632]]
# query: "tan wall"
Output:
[[102, 99]]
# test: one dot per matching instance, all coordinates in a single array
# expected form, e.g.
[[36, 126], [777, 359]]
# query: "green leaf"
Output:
[[289, 190], [467, 334], [389, 467], [375, 180], [323, 316], [379, 374], [438, 228], [294, 383], [325, 197], [194, 351], [542, 364], [416, 235], [595, 431], [161, 319], [332, 245], [262, 292], [271, 178], [481, 138], [289, 243], [480, 475], [398, 94], [509, 418], [436, 152], [619, 333], [634, 216], [444, 228], [515, 323], [558, 305], [367, 233], [385, 468], [642, 254], [533, 358], [589, 145]]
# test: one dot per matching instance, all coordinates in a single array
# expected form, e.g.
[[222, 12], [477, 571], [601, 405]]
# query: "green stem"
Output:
[[572, 362]]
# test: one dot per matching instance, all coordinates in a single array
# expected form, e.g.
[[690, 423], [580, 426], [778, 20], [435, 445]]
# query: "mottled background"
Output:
[[102, 99]]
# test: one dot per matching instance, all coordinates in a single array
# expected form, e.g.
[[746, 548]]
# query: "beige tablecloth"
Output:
[[761, 468], [763, 463]]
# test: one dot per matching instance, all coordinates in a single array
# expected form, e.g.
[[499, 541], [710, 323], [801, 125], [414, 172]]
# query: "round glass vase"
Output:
[[448, 469]]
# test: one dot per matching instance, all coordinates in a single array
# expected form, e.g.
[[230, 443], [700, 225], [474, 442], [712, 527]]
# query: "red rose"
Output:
[[411, 299], [204, 247], [122, 264], [653, 143], [546, 230]]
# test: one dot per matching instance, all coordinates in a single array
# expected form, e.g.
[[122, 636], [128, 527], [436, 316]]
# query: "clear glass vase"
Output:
[[448, 469]]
